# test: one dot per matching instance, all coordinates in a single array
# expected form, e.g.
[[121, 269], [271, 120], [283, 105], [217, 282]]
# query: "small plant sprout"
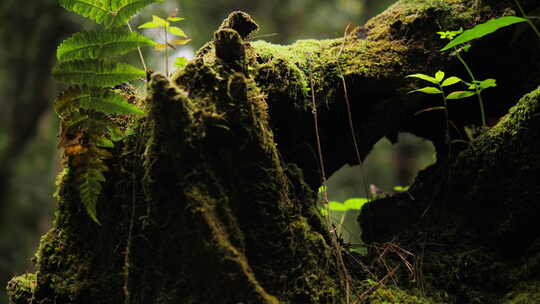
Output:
[[168, 29], [440, 83], [180, 62], [401, 188], [459, 43], [350, 204]]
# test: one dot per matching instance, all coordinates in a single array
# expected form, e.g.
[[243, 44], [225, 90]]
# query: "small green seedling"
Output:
[[459, 43], [479, 31], [441, 83], [165, 25], [180, 62], [350, 204], [401, 188]]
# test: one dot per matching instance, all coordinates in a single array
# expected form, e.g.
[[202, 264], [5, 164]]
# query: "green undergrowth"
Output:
[[200, 206], [481, 245]]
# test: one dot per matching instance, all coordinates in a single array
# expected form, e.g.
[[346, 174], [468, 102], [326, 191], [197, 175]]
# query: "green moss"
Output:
[[21, 288], [524, 293], [382, 294], [207, 193]]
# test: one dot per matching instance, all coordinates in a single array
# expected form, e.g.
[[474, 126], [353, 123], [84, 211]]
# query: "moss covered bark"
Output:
[[211, 199]]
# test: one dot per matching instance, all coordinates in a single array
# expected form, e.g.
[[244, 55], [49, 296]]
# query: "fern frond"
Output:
[[95, 72], [86, 121], [96, 10], [97, 99], [89, 190], [96, 161], [125, 9], [108, 102], [101, 153], [67, 101], [100, 44], [110, 13]]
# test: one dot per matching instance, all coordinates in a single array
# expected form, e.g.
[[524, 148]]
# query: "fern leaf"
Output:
[[108, 102], [92, 9], [110, 13], [95, 72], [89, 190], [67, 101], [102, 154], [105, 143], [125, 9], [100, 44], [96, 99]]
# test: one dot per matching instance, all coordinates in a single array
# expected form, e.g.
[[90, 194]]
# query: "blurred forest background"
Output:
[[29, 159]]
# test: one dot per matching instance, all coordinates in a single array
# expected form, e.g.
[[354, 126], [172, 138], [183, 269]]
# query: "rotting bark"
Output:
[[211, 199]]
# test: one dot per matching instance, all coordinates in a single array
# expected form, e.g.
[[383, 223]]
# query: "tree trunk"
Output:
[[212, 198]]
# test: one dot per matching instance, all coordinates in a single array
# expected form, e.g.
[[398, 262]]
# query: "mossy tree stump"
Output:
[[212, 198]]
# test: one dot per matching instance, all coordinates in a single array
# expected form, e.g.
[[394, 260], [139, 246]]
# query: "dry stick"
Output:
[[139, 50], [349, 116], [333, 235], [376, 286]]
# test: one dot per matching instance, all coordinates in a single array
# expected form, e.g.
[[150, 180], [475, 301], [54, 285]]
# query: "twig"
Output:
[[376, 286], [333, 234], [349, 114], [139, 50]]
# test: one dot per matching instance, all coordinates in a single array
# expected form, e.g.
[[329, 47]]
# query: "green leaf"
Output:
[[89, 190], [161, 47], [105, 143], [428, 90], [160, 21], [180, 41], [125, 9], [175, 19], [108, 102], [450, 34], [63, 105], [322, 189], [483, 29], [484, 84], [149, 24], [100, 44], [109, 13], [401, 188], [323, 211], [336, 206], [180, 62], [96, 99], [355, 203], [424, 77], [115, 134], [450, 81], [460, 94], [176, 31], [96, 72], [439, 76], [92, 9]]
